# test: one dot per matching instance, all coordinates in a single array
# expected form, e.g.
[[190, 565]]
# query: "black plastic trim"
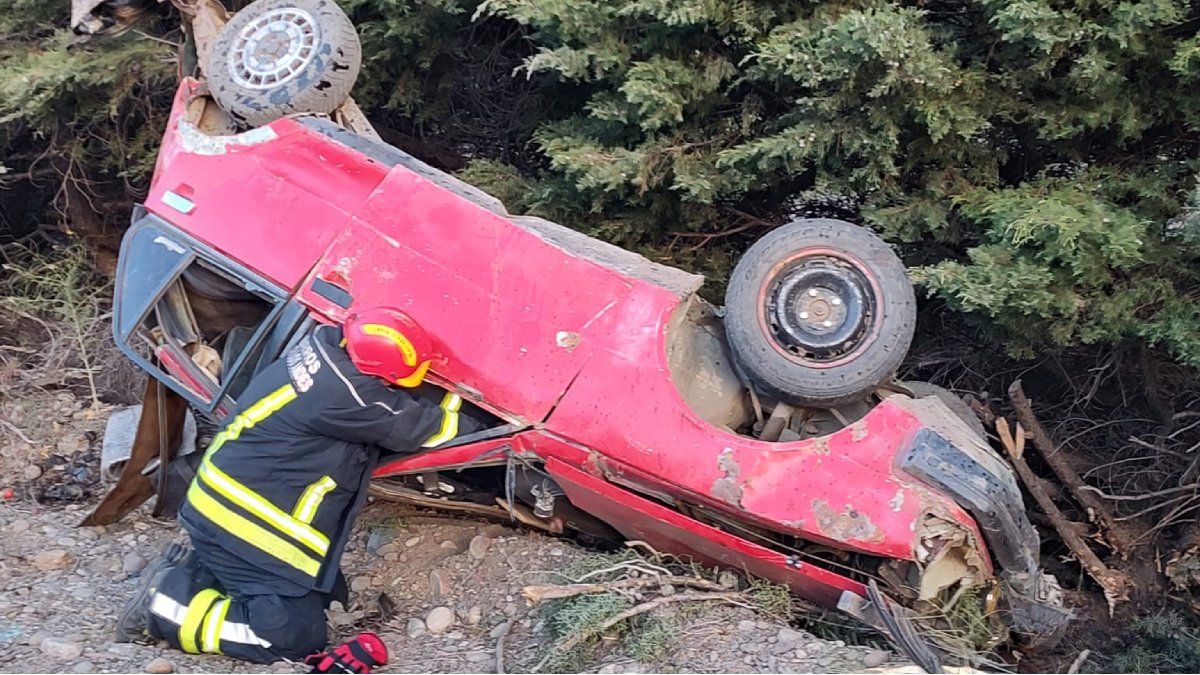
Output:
[[338, 296], [995, 502]]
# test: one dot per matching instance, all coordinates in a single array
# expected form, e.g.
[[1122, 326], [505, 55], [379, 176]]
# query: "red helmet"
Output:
[[387, 343]]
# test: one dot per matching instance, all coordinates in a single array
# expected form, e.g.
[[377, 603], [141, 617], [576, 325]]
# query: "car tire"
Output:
[[280, 57], [819, 312], [953, 401]]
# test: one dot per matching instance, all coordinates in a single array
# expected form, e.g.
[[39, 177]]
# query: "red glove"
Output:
[[359, 654]]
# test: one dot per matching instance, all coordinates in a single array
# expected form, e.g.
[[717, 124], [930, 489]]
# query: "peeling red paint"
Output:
[[727, 488], [819, 446], [846, 525], [858, 430]]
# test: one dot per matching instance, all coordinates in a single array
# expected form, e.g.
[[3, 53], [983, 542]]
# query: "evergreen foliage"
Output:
[[1035, 156], [1035, 159], [1164, 643], [89, 114]]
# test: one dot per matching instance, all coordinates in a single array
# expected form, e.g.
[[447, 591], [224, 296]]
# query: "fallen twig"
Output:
[[16, 431], [1115, 584], [982, 410], [641, 566], [500, 643], [1079, 661], [1137, 498], [552, 591], [647, 606], [1100, 512]]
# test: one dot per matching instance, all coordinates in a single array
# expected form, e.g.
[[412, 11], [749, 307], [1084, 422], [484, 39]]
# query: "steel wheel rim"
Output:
[[274, 48], [818, 309]]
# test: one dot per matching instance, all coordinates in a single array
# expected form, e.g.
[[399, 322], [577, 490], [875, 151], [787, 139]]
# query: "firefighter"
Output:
[[274, 497]]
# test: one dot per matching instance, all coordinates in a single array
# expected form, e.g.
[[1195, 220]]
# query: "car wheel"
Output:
[[953, 401], [819, 312], [278, 57]]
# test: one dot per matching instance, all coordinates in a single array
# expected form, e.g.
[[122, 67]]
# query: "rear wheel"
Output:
[[819, 312], [279, 57]]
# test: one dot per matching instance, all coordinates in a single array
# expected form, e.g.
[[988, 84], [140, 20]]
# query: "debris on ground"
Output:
[[446, 594]]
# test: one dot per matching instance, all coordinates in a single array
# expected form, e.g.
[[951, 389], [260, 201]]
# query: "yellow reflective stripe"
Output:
[[451, 403], [402, 343], [251, 533], [254, 503], [256, 413], [211, 640], [306, 506], [270, 403], [197, 608]]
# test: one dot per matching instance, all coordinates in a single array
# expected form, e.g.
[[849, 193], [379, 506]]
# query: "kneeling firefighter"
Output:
[[274, 498]]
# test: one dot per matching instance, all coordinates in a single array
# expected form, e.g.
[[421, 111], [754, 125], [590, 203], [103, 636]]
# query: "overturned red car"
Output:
[[767, 436]]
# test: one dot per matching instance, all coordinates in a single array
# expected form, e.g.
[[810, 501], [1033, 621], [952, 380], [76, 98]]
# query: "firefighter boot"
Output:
[[132, 621]]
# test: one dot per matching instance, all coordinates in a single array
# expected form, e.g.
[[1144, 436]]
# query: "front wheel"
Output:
[[819, 312]]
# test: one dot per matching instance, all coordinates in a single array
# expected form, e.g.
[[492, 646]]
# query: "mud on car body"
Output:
[[768, 435]]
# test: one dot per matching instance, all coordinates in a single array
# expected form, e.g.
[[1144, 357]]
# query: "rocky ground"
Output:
[[451, 587]]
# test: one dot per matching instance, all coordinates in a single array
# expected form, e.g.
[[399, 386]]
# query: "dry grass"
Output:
[[55, 315], [584, 626]]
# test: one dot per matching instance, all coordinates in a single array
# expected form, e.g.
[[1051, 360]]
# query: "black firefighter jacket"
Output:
[[275, 497]]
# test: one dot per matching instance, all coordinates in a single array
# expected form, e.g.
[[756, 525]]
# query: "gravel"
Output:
[[160, 666], [478, 547], [132, 563], [453, 590], [53, 559], [474, 615], [440, 620], [61, 648], [875, 659]]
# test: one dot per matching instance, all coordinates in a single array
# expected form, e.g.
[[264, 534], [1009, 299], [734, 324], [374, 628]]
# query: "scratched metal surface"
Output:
[[262, 197], [842, 489]]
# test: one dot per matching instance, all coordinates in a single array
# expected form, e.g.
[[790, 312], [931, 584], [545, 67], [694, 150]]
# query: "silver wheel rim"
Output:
[[274, 48]]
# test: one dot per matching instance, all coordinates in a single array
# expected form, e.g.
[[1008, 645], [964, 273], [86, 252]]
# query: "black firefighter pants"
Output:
[[192, 612]]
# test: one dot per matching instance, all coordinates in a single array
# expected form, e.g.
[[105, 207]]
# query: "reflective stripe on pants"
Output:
[[192, 613], [273, 531]]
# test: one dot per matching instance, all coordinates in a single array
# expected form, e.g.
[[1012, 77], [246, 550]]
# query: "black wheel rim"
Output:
[[819, 308]]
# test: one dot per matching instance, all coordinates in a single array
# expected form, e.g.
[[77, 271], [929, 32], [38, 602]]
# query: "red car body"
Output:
[[568, 340]]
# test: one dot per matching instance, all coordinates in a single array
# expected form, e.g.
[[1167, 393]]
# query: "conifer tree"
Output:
[[1035, 156]]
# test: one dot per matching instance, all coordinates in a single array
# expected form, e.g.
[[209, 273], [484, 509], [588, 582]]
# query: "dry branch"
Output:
[[1079, 661], [982, 410], [1117, 537], [1190, 487], [1116, 584], [17, 431], [500, 643], [552, 592]]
